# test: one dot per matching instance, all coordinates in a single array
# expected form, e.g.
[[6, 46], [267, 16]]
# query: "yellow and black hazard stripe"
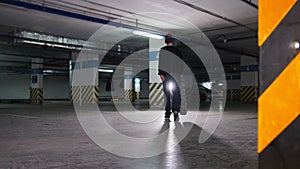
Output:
[[36, 95], [96, 93], [156, 94], [129, 95], [248, 93], [279, 100], [233, 94], [137, 95], [85, 94]]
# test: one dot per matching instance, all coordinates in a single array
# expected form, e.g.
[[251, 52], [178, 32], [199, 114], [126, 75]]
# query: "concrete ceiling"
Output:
[[241, 19], [146, 12]]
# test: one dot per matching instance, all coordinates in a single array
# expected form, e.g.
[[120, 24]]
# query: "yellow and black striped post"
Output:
[[248, 93], [137, 95], [36, 95], [279, 101], [85, 94], [233, 94], [129, 94], [156, 94]]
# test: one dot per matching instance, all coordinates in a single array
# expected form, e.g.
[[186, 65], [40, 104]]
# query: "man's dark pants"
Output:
[[173, 101]]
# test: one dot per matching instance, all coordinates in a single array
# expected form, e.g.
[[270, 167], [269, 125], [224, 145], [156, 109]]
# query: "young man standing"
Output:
[[168, 72]]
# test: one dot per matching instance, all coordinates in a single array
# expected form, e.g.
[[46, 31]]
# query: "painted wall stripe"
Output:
[[153, 56], [37, 71], [249, 68]]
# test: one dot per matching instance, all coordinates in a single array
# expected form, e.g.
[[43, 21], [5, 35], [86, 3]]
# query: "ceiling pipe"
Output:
[[213, 14], [91, 9], [250, 3], [57, 43], [110, 7]]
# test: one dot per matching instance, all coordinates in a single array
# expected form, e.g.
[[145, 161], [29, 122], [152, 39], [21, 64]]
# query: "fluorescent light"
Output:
[[32, 42], [49, 40], [106, 70], [48, 71], [150, 35]]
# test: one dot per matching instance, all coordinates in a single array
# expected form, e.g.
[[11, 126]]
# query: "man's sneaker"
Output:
[[167, 120], [176, 116]]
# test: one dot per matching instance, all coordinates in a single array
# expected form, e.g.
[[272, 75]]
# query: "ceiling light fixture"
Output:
[[106, 70], [149, 35]]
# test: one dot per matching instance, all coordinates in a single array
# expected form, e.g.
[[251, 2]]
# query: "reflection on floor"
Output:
[[50, 136]]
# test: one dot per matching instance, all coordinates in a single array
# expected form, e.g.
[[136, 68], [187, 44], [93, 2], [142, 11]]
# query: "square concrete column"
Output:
[[84, 78], [249, 79], [156, 94], [128, 85], [36, 89]]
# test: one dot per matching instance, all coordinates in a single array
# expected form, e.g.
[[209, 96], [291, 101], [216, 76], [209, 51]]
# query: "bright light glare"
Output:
[[32, 42], [171, 86], [137, 80], [105, 70], [296, 45], [48, 71], [150, 35], [207, 85]]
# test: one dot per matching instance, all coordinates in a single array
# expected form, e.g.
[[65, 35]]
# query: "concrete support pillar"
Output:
[[85, 78], [137, 88], [249, 79], [128, 85], [156, 95], [233, 86], [279, 85], [36, 89]]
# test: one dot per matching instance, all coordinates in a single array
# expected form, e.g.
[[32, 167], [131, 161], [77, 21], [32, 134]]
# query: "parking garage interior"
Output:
[[80, 87]]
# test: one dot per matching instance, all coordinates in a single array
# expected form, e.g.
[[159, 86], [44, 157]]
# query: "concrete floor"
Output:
[[50, 136]]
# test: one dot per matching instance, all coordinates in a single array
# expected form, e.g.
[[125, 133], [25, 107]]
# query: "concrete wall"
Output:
[[17, 87], [56, 87], [14, 87], [233, 80], [249, 72]]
